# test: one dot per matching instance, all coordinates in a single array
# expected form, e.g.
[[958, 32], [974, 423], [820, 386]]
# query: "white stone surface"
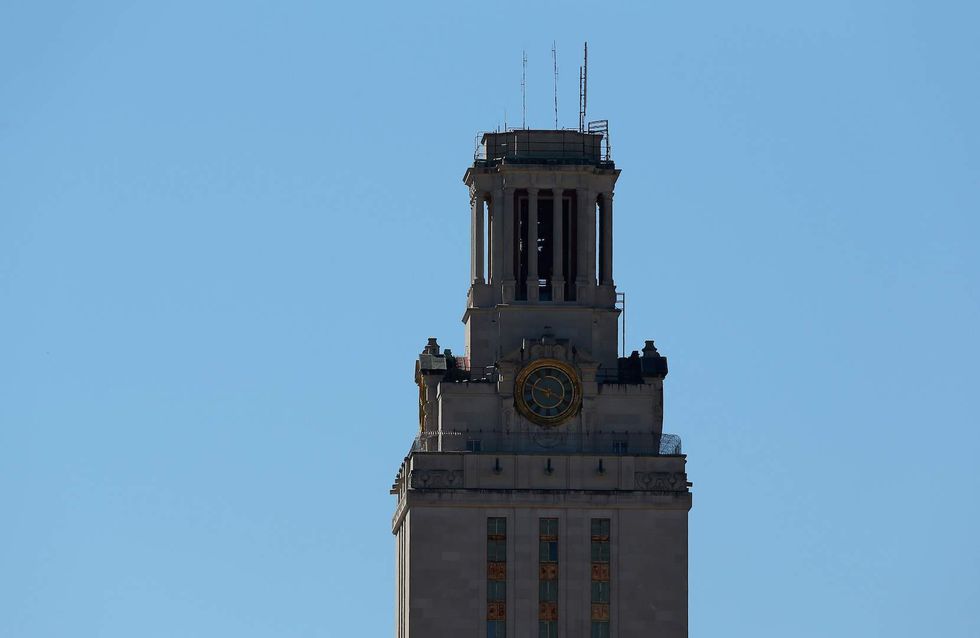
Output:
[[477, 457]]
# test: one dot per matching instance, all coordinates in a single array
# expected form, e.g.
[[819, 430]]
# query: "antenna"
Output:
[[524, 93], [554, 61], [583, 89]]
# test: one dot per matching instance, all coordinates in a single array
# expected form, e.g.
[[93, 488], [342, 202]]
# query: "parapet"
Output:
[[529, 146]]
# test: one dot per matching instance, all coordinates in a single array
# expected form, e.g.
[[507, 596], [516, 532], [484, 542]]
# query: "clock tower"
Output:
[[541, 497]]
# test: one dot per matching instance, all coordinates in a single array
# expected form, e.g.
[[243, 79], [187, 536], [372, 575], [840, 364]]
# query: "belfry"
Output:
[[541, 497]]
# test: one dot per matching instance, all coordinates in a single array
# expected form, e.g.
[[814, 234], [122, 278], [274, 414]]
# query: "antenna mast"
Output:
[[524, 93], [554, 61], [583, 89]]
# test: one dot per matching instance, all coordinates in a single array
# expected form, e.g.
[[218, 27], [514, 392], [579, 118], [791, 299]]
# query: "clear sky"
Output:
[[227, 228]]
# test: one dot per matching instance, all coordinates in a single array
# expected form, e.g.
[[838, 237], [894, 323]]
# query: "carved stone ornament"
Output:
[[549, 351], [435, 479], [548, 437], [661, 481]]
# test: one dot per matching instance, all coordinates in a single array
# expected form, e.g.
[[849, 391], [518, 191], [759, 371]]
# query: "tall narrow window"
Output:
[[522, 248], [597, 248], [570, 245], [485, 220], [546, 242], [600, 578], [496, 577], [492, 207], [486, 239], [518, 225], [548, 578]]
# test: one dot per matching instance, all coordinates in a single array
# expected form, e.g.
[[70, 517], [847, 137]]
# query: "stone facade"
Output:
[[542, 293]]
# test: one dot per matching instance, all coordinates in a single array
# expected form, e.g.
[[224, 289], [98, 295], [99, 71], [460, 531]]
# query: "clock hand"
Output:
[[546, 391]]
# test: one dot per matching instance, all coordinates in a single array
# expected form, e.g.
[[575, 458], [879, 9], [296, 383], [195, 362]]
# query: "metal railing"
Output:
[[550, 442], [459, 369], [550, 146], [602, 127], [623, 377]]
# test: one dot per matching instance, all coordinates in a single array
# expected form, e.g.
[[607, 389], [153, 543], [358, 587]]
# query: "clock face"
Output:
[[548, 392]]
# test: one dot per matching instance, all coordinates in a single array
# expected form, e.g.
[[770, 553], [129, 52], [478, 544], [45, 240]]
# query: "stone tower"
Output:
[[541, 498]]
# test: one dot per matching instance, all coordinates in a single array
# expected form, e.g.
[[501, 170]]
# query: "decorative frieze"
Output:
[[661, 481], [436, 479]]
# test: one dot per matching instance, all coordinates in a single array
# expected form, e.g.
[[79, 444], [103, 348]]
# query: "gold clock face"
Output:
[[548, 392]]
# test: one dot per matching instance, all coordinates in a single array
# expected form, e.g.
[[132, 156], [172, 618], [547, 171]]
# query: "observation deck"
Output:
[[550, 147]]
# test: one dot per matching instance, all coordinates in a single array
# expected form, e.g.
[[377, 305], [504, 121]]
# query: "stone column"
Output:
[[582, 240], [507, 249], [557, 247], [606, 265], [476, 239], [585, 274], [532, 244], [497, 237], [590, 253]]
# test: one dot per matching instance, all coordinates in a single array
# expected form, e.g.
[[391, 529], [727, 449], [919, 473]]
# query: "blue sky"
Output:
[[226, 229]]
